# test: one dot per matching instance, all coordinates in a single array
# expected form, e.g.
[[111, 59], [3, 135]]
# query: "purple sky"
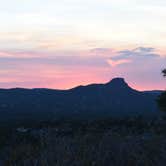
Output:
[[62, 44]]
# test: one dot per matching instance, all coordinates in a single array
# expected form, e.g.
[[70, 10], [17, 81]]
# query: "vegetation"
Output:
[[104, 140], [162, 97], [87, 143], [164, 72]]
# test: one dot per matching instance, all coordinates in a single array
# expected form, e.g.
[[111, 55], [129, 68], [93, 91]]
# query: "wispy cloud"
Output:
[[139, 51], [65, 69], [115, 63]]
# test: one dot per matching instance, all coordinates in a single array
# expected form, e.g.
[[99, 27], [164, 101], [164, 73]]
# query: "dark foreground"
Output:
[[129, 142]]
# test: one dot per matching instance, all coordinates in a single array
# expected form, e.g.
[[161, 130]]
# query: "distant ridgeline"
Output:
[[113, 99]]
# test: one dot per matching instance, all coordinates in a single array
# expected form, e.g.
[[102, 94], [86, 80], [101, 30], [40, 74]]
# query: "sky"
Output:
[[62, 44]]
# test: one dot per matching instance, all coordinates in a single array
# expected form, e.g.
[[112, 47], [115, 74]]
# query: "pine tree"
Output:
[[162, 98]]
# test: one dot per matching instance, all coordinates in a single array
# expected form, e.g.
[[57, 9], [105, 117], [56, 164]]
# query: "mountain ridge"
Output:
[[91, 84], [113, 99]]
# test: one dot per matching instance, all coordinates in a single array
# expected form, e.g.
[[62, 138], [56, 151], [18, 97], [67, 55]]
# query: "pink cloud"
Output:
[[66, 69], [115, 63]]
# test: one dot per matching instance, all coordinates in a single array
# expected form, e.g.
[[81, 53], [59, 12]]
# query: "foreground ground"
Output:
[[129, 142]]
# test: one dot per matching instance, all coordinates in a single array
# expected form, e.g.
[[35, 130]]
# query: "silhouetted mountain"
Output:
[[158, 92], [113, 99]]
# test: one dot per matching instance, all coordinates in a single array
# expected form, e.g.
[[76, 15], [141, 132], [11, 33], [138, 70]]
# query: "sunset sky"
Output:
[[64, 43]]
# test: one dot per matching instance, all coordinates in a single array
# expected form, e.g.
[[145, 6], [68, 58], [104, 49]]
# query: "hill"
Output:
[[113, 99]]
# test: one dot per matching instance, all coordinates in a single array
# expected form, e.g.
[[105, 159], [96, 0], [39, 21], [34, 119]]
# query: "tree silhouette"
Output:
[[162, 98], [164, 72]]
